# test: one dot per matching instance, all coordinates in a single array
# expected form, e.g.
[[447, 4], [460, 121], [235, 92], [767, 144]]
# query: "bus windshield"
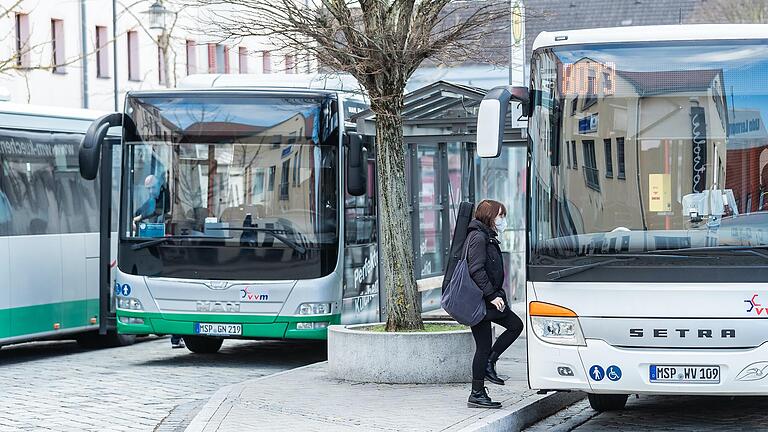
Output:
[[643, 147], [245, 173]]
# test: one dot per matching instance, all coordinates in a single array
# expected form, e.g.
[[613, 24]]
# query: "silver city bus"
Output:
[[245, 212]]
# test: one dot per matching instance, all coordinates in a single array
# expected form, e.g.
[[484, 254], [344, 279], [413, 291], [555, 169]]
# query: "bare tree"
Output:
[[381, 43], [732, 11]]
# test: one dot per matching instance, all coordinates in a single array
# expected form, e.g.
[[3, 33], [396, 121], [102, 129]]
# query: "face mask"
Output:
[[501, 223]]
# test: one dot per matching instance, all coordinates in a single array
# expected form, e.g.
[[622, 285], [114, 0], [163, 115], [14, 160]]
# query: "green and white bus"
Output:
[[245, 212], [49, 229]]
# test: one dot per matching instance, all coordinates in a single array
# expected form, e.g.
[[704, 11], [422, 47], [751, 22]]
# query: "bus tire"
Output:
[[120, 340], [93, 340], [202, 344], [607, 402]]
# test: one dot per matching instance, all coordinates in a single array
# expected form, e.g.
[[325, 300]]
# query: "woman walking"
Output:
[[486, 268]]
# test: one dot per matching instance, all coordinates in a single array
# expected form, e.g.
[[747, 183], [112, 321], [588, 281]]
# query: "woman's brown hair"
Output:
[[487, 211]]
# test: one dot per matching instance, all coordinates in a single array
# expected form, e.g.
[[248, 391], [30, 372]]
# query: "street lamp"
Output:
[[157, 16]]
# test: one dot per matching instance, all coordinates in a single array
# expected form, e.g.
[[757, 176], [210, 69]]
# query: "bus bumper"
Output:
[[557, 367], [254, 326]]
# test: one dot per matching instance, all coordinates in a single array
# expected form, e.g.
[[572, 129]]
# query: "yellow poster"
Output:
[[659, 193]]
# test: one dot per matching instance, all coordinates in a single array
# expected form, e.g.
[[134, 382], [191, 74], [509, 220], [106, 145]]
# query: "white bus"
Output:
[[647, 248], [245, 212], [49, 228]]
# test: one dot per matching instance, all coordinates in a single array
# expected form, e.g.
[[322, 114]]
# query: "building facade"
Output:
[[72, 54]]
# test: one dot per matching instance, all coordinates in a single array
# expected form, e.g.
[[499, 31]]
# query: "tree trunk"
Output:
[[403, 300]]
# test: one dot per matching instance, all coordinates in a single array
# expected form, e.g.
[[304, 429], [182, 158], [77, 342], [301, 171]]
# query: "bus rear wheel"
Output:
[[607, 402], [202, 344]]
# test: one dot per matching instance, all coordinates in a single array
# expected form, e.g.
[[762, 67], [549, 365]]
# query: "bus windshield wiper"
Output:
[[160, 240], [759, 250], [288, 242], [570, 271]]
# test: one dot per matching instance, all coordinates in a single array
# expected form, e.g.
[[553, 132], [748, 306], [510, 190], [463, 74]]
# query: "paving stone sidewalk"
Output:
[[306, 399]]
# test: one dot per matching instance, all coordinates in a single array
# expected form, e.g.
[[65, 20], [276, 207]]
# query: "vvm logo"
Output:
[[758, 308], [247, 295]]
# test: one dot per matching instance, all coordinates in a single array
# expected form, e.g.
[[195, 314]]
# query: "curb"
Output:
[[216, 408], [525, 413]]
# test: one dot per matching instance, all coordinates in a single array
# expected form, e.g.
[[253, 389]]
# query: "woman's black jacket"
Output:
[[486, 265]]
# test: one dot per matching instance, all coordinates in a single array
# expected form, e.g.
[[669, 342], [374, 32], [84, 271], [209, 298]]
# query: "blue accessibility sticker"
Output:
[[122, 290], [613, 372], [596, 373]]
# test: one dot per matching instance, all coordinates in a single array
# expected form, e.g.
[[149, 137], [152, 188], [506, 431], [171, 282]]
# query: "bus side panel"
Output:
[[35, 284], [5, 292], [73, 313], [92, 274]]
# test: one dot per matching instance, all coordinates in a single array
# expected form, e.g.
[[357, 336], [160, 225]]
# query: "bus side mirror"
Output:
[[492, 117], [89, 154], [357, 169]]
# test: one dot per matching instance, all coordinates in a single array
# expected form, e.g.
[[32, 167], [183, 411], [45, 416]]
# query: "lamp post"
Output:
[[158, 21]]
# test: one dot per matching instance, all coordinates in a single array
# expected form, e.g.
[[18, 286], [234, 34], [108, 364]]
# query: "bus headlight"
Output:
[[561, 331], [129, 303], [315, 309], [555, 324]]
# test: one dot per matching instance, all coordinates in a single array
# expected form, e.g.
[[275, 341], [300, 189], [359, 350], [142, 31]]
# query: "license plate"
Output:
[[217, 329], [681, 374]]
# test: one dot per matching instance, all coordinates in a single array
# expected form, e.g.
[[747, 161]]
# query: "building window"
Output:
[[608, 158], [191, 57], [57, 46], [102, 53], [290, 64], [284, 180], [591, 173], [211, 58], [266, 59], [161, 78], [575, 159], [218, 58], [22, 40], [225, 51], [242, 60], [568, 151], [133, 56], [591, 97], [620, 158], [271, 179]]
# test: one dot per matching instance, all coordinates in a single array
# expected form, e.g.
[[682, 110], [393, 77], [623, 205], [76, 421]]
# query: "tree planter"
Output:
[[355, 354]]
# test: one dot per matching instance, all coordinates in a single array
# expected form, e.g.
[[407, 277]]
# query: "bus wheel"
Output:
[[111, 340], [607, 402], [203, 345], [119, 340]]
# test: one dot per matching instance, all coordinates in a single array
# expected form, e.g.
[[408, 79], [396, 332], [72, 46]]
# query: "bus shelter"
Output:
[[442, 170]]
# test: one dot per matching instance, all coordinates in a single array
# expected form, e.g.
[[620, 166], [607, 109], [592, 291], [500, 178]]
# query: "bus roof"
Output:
[[41, 117], [327, 82], [688, 32]]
